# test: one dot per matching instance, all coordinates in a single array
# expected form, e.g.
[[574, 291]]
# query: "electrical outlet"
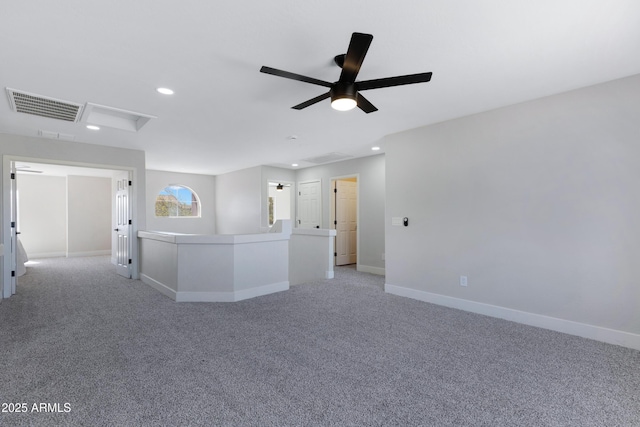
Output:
[[463, 280]]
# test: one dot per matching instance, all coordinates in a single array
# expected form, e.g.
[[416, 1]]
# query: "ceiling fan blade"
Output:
[[358, 48], [394, 81], [312, 101], [365, 105], [293, 76]]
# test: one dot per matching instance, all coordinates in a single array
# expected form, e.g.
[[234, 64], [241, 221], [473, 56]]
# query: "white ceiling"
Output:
[[225, 115]]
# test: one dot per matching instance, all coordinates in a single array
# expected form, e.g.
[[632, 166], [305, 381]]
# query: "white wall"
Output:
[[89, 215], [202, 185], [536, 203], [371, 203], [311, 255], [62, 216], [42, 220], [238, 198]]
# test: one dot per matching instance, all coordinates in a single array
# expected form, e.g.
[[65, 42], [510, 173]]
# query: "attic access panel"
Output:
[[327, 158], [117, 118]]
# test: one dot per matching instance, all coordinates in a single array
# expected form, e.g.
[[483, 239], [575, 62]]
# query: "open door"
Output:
[[10, 227], [14, 229], [346, 220], [123, 227]]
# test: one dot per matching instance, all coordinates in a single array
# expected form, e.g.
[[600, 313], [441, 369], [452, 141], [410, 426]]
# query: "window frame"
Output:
[[177, 187]]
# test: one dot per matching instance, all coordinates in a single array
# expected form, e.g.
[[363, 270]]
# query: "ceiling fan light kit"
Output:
[[345, 93], [343, 96]]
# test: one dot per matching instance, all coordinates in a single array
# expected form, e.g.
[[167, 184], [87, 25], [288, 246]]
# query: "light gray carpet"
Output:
[[338, 352]]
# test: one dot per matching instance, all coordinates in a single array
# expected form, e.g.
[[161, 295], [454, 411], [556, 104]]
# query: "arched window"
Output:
[[176, 201]]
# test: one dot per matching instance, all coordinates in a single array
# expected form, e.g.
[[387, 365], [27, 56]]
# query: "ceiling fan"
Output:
[[345, 93], [279, 186]]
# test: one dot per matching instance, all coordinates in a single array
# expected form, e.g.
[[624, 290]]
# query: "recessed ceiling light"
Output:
[[165, 91], [294, 165], [93, 127], [375, 148]]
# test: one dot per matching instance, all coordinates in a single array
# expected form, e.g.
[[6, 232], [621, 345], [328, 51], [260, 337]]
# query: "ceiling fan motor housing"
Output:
[[341, 90]]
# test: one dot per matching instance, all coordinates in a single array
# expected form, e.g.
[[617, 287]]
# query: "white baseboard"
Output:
[[231, 296], [261, 290], [611, 336], [69, 254], [329, 274], [373, 270], [204, 296], [47, 255], [89, 253], [214, 296], [158, 286]]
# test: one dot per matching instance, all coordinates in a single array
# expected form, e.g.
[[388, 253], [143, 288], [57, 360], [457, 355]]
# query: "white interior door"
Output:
[[346, 222], [14, 228], [123, 227], [309, 205]]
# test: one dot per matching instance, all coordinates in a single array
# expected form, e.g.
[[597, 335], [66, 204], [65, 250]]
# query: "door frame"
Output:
[[332, 217], [7, 159], [292, 202]]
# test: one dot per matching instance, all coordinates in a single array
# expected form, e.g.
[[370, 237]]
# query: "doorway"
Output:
[[59, 204], [279, 201], [344, 218]]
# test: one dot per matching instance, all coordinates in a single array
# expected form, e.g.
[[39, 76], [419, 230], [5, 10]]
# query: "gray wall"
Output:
[[202, 185], [89, 215], [241, 201], [238, 202], [371, 202], [43, 214], [65, 215], [536, 203]]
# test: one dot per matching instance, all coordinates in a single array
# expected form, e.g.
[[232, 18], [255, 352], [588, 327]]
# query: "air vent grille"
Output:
[[38, 105]]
